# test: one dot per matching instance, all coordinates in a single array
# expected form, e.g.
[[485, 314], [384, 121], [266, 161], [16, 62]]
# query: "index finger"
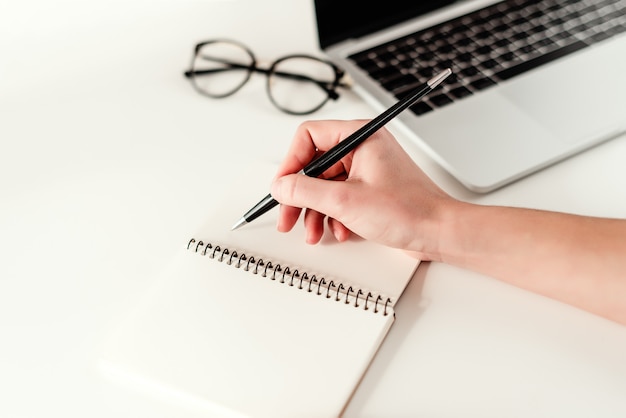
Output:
[[311, 139]]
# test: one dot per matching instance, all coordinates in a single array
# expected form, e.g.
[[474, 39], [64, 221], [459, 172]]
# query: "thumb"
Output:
[[302, 191]]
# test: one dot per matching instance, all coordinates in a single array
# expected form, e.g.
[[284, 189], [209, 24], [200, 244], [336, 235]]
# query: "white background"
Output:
[[109, 159]]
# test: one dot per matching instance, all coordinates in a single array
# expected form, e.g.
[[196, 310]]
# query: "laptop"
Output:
[[534, 81]]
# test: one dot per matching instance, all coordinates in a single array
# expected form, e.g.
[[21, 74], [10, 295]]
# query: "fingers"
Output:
[[301, 191], [314, 224], [287, 218], [313, 138], [339, 230], [319, 196]]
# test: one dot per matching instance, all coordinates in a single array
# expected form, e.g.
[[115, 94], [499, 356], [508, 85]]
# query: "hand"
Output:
[[383, 196], [376, 191]]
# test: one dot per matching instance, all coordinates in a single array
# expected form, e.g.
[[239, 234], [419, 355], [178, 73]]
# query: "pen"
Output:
[[336, 153]]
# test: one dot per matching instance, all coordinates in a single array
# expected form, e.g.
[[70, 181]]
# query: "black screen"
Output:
[[338, 20]]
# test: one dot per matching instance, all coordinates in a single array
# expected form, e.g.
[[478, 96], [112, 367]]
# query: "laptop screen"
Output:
[[338, 20]]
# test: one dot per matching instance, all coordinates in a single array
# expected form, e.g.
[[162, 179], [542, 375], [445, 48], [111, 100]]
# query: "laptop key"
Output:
[[469, 71], [420, 108], [384, 73], [460, 92], [440, 100], [426, 72], [482, 83], [490, 63]]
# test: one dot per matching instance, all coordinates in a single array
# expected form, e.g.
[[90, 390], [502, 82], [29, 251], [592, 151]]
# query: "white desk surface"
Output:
[[109, 159]]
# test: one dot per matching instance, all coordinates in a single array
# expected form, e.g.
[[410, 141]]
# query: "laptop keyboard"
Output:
[[489, 46]]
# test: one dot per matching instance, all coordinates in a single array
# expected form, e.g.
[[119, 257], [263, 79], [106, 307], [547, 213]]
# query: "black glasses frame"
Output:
[[329, 88]]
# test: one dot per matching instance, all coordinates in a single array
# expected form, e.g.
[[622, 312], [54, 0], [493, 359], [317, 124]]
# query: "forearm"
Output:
[[577, 260]]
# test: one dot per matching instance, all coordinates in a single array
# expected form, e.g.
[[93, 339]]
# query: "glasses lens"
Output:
[[221, 68], [300, 84]]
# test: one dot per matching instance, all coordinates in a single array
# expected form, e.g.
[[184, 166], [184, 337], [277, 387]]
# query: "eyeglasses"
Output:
[[296, 84]]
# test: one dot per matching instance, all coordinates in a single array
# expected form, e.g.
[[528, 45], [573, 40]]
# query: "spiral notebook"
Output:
[[254, 322]]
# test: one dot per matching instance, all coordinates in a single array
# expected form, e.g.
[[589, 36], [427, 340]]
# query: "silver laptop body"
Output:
[[524, 121]]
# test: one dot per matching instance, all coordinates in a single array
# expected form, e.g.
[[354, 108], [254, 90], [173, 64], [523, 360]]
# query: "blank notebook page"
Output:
[[214, 336]]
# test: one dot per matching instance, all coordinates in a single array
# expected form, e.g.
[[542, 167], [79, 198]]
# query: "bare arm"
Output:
[[575, 259], [383, 196]]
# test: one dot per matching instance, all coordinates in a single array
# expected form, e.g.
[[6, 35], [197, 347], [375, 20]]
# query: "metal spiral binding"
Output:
[[304, 281]]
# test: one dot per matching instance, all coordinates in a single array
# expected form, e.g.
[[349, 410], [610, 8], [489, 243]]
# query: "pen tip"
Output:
[[239, 224], [436, 80]]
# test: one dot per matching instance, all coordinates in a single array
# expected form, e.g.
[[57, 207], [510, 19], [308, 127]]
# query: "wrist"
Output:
[[451, 239]]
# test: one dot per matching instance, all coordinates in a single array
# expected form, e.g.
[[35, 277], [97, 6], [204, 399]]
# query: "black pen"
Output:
[[336, 153]]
